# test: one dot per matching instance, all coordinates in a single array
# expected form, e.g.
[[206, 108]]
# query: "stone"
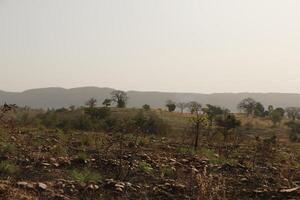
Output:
[[42, 186]]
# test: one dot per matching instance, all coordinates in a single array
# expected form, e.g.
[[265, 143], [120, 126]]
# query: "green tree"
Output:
[[227, 123], [171, 105], [146, 107], [120, 98], [294, 134], [276, 117], [281, 111]]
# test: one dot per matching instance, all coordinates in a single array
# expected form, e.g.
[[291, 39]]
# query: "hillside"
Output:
[[60, 97]]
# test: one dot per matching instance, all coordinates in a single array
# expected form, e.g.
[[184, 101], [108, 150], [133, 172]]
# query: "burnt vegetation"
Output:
[[188, 151]]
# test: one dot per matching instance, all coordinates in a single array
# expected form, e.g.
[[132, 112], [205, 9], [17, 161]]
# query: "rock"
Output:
[[296, 189], [46, 164], [42, 186], [93, 187], [184, 161], [244, 179], [25, 185], [119, 189]]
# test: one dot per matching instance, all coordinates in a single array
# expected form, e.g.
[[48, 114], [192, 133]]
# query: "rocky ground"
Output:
[[50, 164]]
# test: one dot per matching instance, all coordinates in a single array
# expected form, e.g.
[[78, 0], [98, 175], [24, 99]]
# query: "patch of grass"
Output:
[[59, 150], [85, 175], [8, 168], [214, 157], [167, 171], [145, 167], [186, 150], [82, 156], [7, 148]]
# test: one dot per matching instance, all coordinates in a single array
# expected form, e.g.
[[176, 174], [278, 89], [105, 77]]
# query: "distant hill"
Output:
[[60, 97]]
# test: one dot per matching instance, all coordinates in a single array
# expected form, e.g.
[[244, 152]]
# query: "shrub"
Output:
[[145, 167], [85, 175], [97, 113]]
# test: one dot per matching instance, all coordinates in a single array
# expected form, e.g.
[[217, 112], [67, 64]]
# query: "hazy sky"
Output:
[[166, 45]]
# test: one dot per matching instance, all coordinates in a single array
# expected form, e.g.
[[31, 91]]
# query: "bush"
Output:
[[148, 123]]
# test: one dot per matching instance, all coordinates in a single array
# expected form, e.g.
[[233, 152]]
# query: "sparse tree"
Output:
[[107, 102], [276, 116], [146, 107], [91, 103], [248, 106], [171, 105], [293, 112], [199, 122], [194, 107], [120, 98], [182, 106]]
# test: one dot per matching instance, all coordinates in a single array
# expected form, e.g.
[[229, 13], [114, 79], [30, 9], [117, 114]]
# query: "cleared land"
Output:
[[51, 163]]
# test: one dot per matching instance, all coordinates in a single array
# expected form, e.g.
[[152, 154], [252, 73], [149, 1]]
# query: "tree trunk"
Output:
[[197, 136]]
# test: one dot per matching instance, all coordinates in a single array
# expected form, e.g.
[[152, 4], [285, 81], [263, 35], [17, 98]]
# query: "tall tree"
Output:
[[259, 110]]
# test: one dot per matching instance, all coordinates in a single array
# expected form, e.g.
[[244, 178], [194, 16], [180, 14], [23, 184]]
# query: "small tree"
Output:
[[181, 106], [91, 103], [171, 105], [194, 107], [199, 122], [294, 134], [259, 110], [119, 97], [107, 102], [293, 113], [213, 111], [227, 123], [248, 106]]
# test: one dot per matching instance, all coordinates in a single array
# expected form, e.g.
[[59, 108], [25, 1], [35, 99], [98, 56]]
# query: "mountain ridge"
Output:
[[57, 97]]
